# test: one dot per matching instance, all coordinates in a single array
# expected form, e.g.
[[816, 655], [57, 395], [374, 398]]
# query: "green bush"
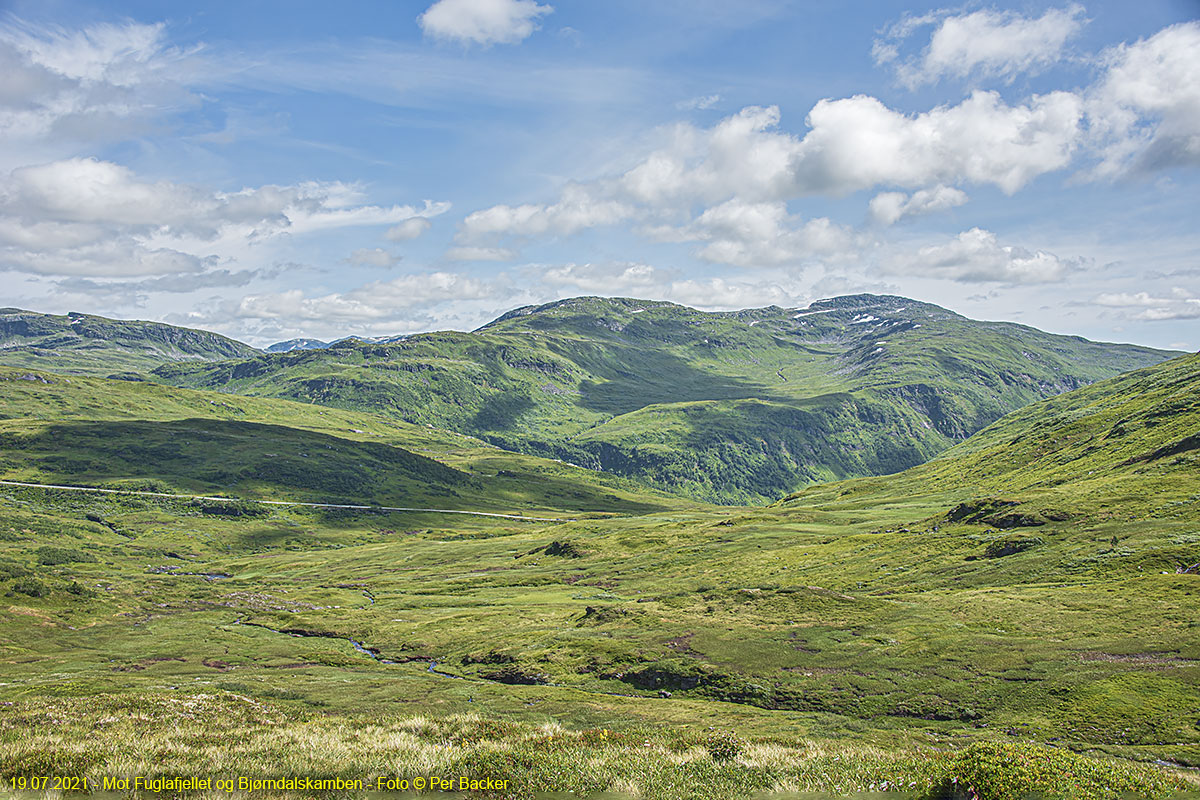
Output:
[[1011, 545], [52, 556], [236, 508], [31, 587], [724, 746], [79, 590], [11, 570], [1017, 771]]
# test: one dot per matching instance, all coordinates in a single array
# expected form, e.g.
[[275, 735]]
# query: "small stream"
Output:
[[431, 668]]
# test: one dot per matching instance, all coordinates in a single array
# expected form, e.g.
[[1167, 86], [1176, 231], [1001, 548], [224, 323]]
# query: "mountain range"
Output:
[[87, 344], [740, 406]]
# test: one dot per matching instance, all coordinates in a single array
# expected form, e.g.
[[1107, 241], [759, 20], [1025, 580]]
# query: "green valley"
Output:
[[726, 407], [1018, 609]]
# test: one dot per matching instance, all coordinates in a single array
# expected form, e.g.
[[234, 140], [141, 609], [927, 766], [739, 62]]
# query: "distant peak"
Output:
[[297, 344], [588, 304], [872, 302]]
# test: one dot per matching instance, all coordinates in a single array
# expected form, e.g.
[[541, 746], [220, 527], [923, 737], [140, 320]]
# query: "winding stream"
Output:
[[431, 667]]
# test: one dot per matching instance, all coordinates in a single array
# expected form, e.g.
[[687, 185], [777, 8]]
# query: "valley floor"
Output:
[[603, 655]]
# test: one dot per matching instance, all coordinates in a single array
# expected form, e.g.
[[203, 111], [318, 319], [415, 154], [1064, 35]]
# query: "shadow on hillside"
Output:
[[638, 377], [247, 459], [214, 456], [500, 412], [767, 450]]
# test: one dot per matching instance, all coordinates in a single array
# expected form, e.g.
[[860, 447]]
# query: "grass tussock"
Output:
[[226, 735]]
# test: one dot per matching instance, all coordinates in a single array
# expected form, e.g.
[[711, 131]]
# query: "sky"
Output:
[[271, 170]]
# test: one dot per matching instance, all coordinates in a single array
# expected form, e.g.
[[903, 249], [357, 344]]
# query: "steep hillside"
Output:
[[1126, 448], [89, 345], [120, 434], [736, 407]]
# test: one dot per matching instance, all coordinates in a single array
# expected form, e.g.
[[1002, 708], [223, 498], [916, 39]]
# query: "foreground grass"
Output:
[[231, 736]]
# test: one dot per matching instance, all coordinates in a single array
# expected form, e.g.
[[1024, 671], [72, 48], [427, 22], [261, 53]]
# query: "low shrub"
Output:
[[52, 556], [1011, 545], [1017, 771], [724, 746], [31, 587]]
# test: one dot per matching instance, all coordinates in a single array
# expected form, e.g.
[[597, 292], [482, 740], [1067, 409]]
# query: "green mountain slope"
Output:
[[740, 406], [1128, 447], [94, 432], [1033, 583], [90, 345]]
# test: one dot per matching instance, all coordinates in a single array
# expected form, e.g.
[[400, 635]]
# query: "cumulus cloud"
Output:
[[578, 208], [610, 278], [986, 43], [859, 143], [726, 186], [763, 234], [408, 230], [644, 280], [403, 304], [698, 103], [134, 292], [888, 208], [1181, 304], [373, 257], [469, 253], [483, 21], [97, 83], [742, 170], [976, 255], [83, 216], [1145, 112]]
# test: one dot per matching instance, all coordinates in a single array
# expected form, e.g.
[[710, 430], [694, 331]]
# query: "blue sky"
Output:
[[271, 170]]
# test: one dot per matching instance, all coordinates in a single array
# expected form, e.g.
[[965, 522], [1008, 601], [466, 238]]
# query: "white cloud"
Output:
[[119, 257], [888, 208], [742, 156], [403, 304], [858, 143], [378, 300], [698, 103], [134, 293], [646, 281], [102, 82], [373, 257], [577, 208], [83, 216], [977, 256], [483, 21], [997, 44], [408, 230], [469, 253], [744, 168], [1128, 299], [1145, 112], [1180, 305], [722, 294], [763, 234], [619, 278]]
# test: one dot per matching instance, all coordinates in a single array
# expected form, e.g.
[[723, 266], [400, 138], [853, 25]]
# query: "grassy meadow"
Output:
[[1018, 616]]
